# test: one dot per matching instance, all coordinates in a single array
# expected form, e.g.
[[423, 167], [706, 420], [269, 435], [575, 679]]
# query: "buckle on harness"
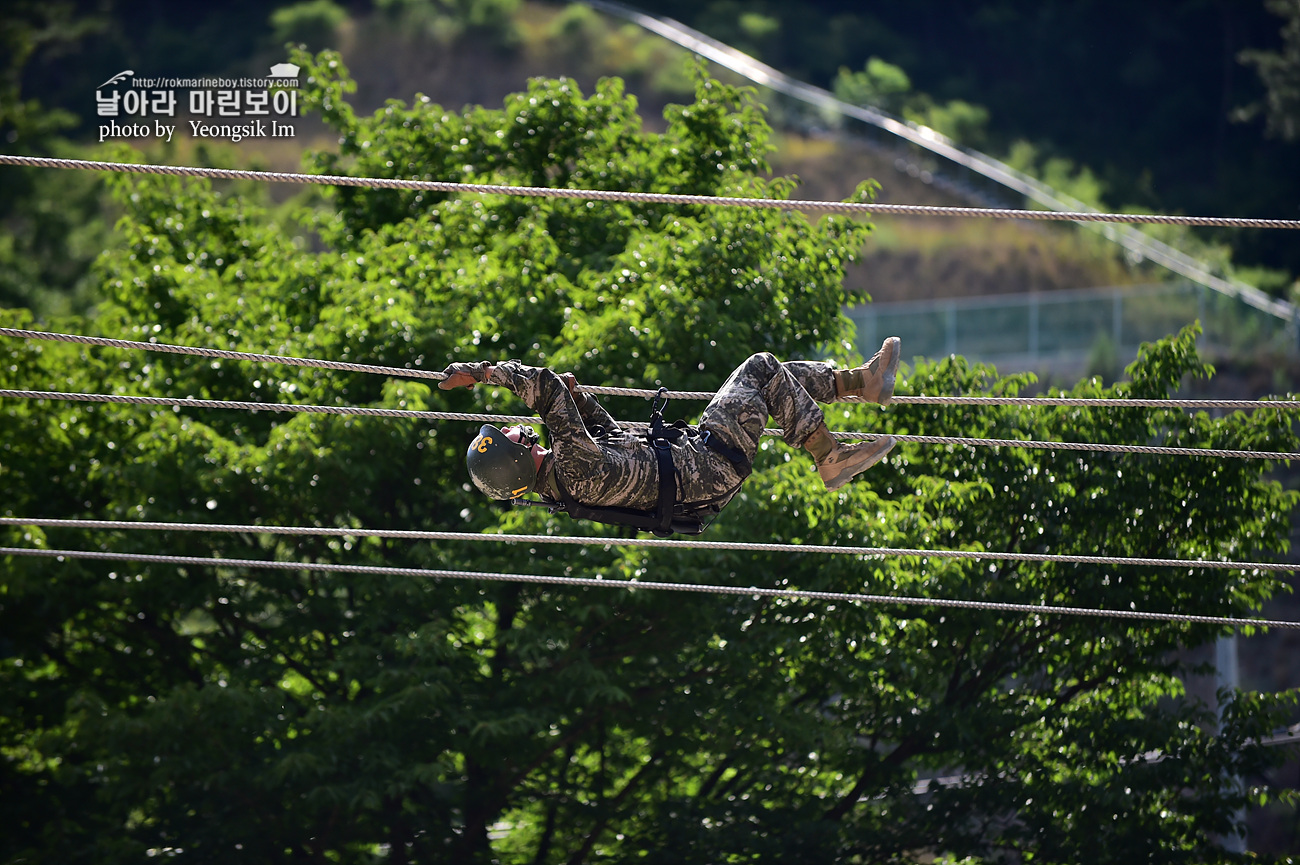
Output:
[[657, 405], [664, 519]]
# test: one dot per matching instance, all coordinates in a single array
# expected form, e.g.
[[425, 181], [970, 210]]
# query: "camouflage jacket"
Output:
[[601, 464]]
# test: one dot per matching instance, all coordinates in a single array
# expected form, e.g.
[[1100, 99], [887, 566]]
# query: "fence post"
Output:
[[1033, 326], [1117, 316], [1204, 338], [951, 322], [1226, 677]]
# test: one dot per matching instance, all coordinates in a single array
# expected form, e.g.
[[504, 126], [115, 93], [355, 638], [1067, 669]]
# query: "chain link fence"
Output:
[[1072, 331]]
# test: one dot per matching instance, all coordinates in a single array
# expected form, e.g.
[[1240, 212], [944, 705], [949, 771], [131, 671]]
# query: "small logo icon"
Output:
[[284, 70], [128, 73]]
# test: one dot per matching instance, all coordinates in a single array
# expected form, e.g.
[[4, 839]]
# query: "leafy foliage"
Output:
[[493, 21], [273, 715], [52, 226], [314, 22], [1280, 72], [885, 86], [878, 83]]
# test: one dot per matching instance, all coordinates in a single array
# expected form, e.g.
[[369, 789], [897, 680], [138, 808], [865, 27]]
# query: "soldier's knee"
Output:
[[762, 362]]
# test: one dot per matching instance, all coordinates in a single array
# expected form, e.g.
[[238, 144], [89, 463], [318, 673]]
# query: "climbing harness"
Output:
[[669, 516]]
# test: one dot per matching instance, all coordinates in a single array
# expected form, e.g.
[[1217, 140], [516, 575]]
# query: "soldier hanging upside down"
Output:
[[596, 468]]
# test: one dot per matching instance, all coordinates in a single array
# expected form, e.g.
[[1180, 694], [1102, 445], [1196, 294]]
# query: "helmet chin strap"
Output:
[[524, 435], [539, 457], [543, 468]]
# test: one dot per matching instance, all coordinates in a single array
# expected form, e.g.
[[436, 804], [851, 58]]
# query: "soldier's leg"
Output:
[[874, 380], [759, 388], [814, 376], [763, 387], [871, 382]]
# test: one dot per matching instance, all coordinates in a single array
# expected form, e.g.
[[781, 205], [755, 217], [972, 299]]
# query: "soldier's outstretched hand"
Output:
[[464, 375], [570, 381]]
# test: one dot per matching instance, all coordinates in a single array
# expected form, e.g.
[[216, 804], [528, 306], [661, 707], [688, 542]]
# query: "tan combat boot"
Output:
[[874, 381], [838, 463]]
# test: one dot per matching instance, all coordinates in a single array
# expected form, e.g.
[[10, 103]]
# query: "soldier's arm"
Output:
[[593, 413], [546, 393]]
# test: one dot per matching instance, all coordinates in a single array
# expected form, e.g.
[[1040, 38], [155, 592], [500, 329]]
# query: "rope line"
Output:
[[219, 353], [648, 393], [961, 441], [699, 588], [244, 405], [1096, 402], [645, 197], [1100, 447], [738, 546]]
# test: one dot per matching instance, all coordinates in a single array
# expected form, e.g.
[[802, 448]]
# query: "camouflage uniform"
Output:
[[601, 464]]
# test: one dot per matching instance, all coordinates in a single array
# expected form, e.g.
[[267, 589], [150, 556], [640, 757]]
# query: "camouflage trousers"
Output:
[[763, 386]]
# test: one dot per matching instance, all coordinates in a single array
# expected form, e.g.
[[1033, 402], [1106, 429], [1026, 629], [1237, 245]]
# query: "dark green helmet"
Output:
[[500, 468]]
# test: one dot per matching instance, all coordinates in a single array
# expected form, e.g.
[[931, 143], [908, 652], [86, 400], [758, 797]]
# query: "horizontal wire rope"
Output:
[[698, 588], [648, 393], [643, 197], [736, 546], [498, 419], [219, 353]]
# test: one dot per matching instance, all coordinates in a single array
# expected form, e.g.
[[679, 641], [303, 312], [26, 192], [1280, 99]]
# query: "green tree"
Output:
[[1280, 72], [314, 22], [878, 84], [492, 21], [277, 716], [51, 227], [886, 86]]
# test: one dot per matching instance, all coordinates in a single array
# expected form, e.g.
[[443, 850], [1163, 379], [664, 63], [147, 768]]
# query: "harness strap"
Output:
[[664, 519], [645, 521], [667, 485], [733, 455], [661, 444]]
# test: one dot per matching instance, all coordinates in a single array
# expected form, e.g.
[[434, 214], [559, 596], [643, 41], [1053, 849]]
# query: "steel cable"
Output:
[[718, 546], [861, 208], [218, 353], [597, 582], [648, 393], [498, 419]]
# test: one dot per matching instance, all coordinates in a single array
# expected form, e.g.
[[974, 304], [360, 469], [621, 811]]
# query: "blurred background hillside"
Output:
[[1146, 107]]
